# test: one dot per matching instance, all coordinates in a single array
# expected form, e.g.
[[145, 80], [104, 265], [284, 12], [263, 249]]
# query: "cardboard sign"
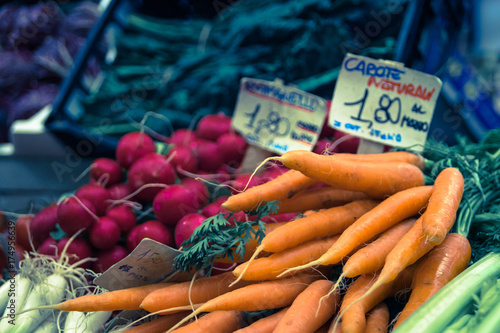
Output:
[[383, 101]]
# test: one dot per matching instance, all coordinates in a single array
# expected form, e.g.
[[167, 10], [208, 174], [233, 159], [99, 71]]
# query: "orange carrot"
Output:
[[321, 224], [282, 187], [268, 268], [378, 180], [357, 302], [439, 267], [214, 322], [123, 299], [392, 210], [393, 156], [318, 198], [264, 295], [182, 294], [250, 246], [264, 325], [160, 324], [371, 258], [377, 319], [307, 313], [443, 205]]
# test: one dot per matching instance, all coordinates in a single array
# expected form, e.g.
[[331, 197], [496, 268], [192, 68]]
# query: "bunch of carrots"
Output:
[[376, 220]]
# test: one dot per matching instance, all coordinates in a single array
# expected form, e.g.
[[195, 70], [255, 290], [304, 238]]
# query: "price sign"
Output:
[[383, 101], [278, 118]]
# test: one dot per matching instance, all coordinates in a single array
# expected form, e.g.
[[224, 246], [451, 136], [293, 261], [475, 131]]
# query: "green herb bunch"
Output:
[[216, 238]]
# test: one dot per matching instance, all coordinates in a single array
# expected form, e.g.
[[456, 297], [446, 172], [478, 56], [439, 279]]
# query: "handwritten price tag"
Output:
[[383, 101], [150, 262], [278, 118]]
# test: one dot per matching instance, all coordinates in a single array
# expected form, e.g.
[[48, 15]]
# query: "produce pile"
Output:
[[38, 43]]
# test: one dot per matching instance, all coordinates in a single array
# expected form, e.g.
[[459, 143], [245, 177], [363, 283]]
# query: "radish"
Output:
[[245, 181], [124, 216], [97, 195], [152, 229], [233, 147], [214, 207], [72, 216], [198, 188], [183, 158], [279, 218], [272, 172], [181, 137], [106, 170], [48, 247], [109, 257], [133, 146], [174, 202], [119, 191], [346, 143], [43, 223], [151, 168], [104, 234], [185, 227], [23, 236], [209, 155], [212, 126], [77, 250]]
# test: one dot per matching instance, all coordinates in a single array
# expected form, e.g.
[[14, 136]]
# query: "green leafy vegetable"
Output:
[[217, 238]]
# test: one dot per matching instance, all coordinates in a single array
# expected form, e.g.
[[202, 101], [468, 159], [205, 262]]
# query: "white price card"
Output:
[[278, 118], [383, 101]]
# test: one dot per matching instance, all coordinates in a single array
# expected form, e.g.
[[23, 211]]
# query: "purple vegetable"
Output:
[[32, 101], [16, 70], [80, 20], [55, 56], [33, 24], [8, 15]]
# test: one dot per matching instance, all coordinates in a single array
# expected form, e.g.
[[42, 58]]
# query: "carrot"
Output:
[[321, 224], [160, 324], [307, 313], [282, 187], [357, 302], [377, 319], [438, 268], [260, 296], [318, 198], [392, 210], [443, 205], [214, 322], [183, 294], [264, 325], [377, 180], [393, 156], [123, 299], [268, 268], [250, 246]]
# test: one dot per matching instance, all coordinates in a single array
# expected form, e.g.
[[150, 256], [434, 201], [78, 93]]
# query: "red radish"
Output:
[[185, 227], [181, 137], [222, 174], [107, 170], [233, 147], [198, 188], [346, 143], [119, 191], [133, 146], [48, 247], [244, 181], [23, 236], [124, 216], [154, 230], [77, 250], [151, 168], [209, 155], [72, 216], [97, 195], [212, 126], [214, 207], [105, 233], [131, 242], [272, 172], [279, 218], [43, 223], [174, 202], [239, 216], [183, 158], [107, 258], [324, 147]]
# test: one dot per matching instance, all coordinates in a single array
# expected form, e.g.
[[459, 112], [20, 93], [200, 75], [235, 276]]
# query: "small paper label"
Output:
[[383, 101], [150, 262], [278, 118]]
